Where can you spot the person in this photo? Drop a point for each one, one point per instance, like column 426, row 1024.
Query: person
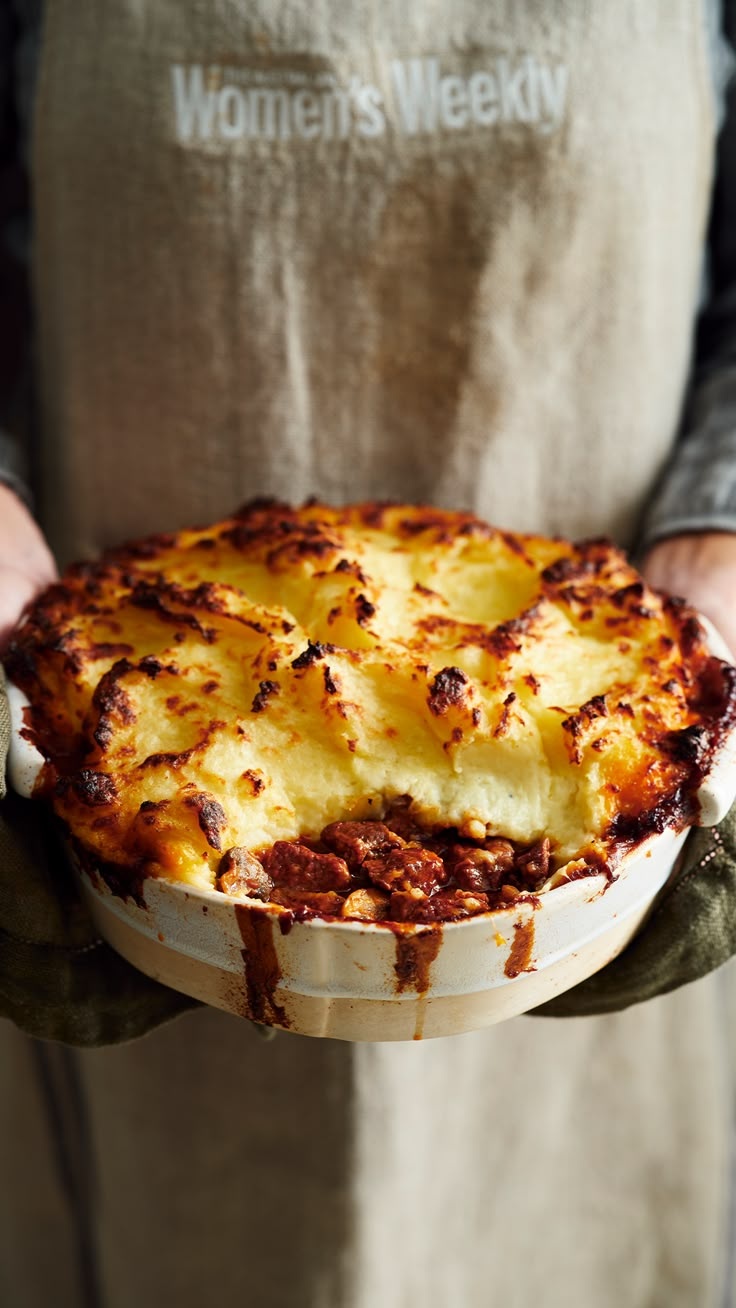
column 450, row 254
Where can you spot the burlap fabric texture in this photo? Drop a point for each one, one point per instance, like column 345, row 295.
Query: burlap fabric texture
column 59, row 981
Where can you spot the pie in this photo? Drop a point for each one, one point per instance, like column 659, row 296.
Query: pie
column 378, row 712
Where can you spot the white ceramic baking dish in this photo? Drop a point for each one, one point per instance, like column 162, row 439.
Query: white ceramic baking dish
column 366, row 981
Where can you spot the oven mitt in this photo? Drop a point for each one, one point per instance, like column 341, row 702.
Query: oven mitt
column 59, row 981
column 690, row 930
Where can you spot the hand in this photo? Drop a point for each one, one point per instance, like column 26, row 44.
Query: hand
column 26, row 563
column 701, row 567
column 58, row 980
column 692, row 928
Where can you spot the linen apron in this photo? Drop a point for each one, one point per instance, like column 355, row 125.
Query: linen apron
column 435, row 252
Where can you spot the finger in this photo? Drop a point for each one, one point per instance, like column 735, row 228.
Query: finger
column 17, row 589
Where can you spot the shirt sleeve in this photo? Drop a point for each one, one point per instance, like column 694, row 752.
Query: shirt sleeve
column 698, row 489
column 19, row 36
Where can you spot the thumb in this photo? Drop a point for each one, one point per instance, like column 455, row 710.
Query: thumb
column 26, row 563
column 16, row 590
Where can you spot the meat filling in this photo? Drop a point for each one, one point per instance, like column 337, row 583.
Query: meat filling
column 390, row 871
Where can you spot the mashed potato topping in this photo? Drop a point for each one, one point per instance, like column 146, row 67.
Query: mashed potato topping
column 257, row 680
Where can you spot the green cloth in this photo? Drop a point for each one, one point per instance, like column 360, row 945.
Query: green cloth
column 690, row 931
column 59, row 981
